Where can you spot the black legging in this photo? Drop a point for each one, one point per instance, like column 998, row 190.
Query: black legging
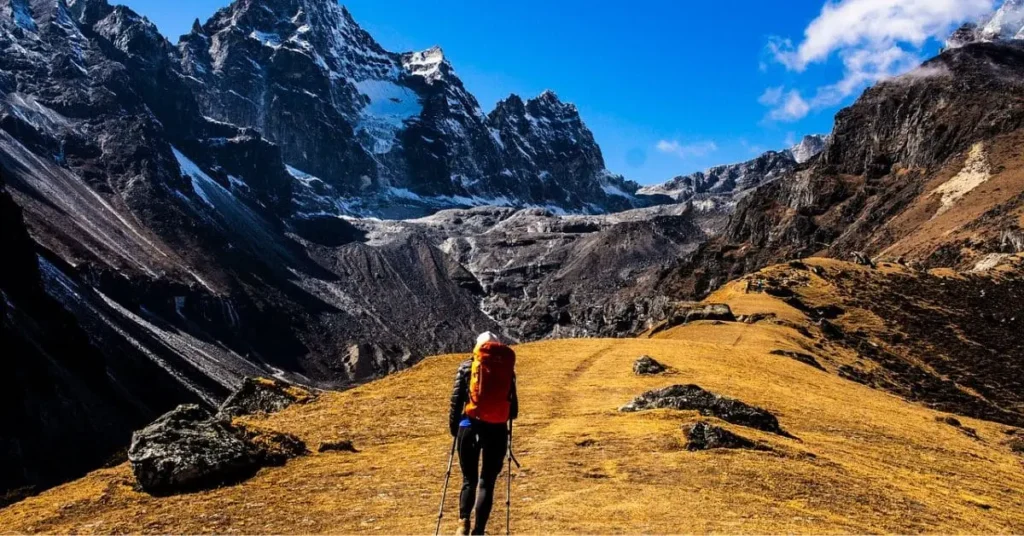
column 478, row 485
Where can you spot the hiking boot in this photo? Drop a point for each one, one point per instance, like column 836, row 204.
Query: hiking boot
column 463, row 529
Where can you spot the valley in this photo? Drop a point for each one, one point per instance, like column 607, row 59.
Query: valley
column 277, row 195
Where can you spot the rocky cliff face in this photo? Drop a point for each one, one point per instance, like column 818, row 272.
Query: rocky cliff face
column 62, row 388
column 905, row 154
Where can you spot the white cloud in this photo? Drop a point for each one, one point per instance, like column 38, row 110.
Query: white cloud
column 681, row 150
column 772, row 96
column 876, row 25
column 874, row 39
column 790, row 107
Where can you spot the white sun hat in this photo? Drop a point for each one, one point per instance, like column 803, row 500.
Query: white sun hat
column 486, row 337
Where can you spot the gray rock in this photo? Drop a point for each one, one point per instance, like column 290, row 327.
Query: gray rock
column 187, row 449
column 862, row 259
column 647, row 365
column 704, row 436
column 261, row 395
column 693, row 313
column 341, row 445
column 694, row 398
column 806, row 359
column 714, row 311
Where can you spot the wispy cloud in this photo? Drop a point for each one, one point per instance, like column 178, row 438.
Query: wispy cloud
column 785, row 106
column 686, row 150
column 874, row 39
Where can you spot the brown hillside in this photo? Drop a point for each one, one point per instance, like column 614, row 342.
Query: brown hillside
column 865, row 460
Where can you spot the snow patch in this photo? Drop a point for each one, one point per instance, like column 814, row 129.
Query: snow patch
column 390, row 106
column 200, row 180
column 267, row 39
column 614, row 191
column 426, row 64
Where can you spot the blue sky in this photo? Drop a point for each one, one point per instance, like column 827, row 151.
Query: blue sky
column 667, row 86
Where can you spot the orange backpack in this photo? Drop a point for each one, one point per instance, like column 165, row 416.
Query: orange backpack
column 490, row 383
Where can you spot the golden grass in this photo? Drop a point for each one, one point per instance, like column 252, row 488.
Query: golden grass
column 866, row 461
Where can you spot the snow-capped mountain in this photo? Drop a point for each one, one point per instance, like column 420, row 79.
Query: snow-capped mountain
column 721, row 183
column 809, row 147
column 1007, row 23
column 378, row 128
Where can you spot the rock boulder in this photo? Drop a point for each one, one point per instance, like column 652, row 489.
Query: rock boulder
column 704, row 436
column 647, row 365
column 262, row 395
column 188, row 449
column 694, row 398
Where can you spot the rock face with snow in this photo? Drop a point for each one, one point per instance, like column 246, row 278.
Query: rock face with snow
column 719, row 186
column 809, row 147
column 1005, row 24
column 725, row 181
column 381, row 129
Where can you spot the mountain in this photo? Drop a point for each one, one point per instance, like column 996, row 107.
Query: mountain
column 922, row 169
column 721, row 184
column 809, row 147
column 380, row 129
column 1006, row 23
column 182, row 249
column 888, row 465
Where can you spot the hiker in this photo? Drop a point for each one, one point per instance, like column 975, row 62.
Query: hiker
column 483, row 404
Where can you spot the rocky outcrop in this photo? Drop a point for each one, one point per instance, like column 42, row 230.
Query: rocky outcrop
column 262, row 395
column 341, row 445
column 922, row 118
column 806, row 359
column 685, row 314
column 694, row 398
column 189, row 449
column 705, row 436
column 647, row 366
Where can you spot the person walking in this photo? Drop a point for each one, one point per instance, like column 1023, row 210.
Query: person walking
column 483, row 404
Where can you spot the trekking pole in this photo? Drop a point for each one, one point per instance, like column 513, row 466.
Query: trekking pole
column 508, row 489
column 444, row 491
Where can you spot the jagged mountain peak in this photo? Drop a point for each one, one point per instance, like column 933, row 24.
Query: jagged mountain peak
column 548, row 101
column 810, row 146
column 1006, row 23
column 430, row 64
column 721, row 185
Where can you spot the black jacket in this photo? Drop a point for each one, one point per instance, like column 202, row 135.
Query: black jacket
column 460, row 396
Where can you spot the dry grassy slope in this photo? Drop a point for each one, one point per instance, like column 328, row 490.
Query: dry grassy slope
column 868, row 461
